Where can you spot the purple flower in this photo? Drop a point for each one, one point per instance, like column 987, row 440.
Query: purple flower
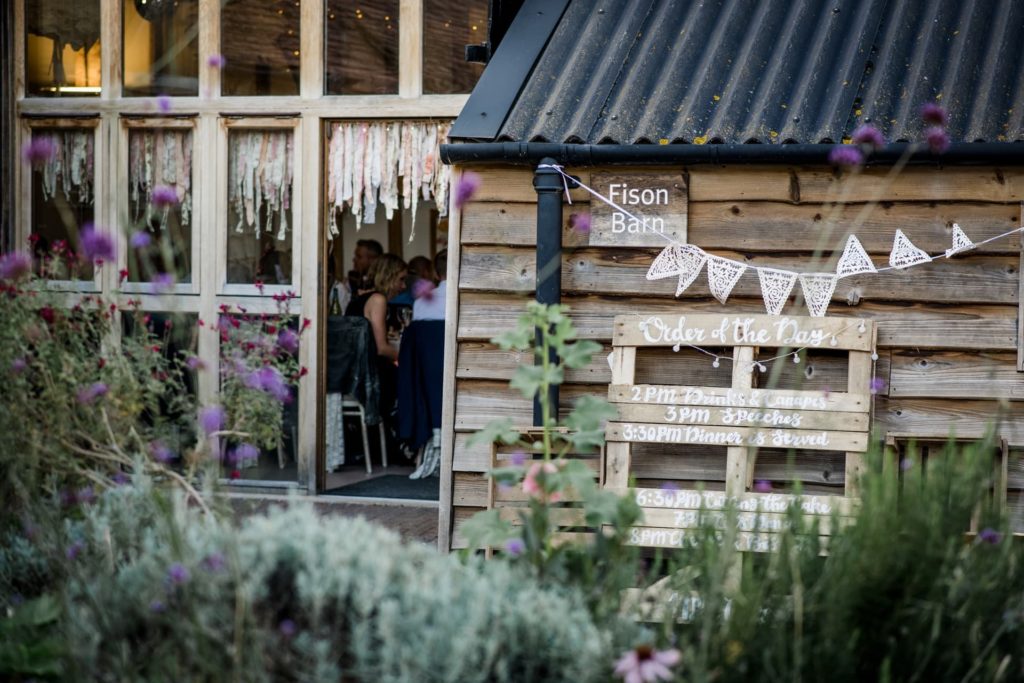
column 18, row 365
column 211, row 419
column 120, row 478
column 580, row 222
column 990, row 536
column 163, row 103
column 763, row 486
column 906, row 464
column 515, row 547
column 877, row 385
column 85, row 495
column 39, row 151
column 645, row 664
column 937, row 138
column 161, row 283
column 214, row 562
column 467, row 186
column 268, row 379
column 870, row 136
column 288, row 341
column 934, row 114
column 845, row 155
column 15, row 265
column 287, row 628
column 163, row 196
column 74, row 550
column 140, row 240
column 160, row 452
column 245, row 452
column 216, row 61
column 96, row 245
column 518, row 458
column 157, row 606
column 177, row 574
column 88, row 394
column 423, row 289
column 195, row 363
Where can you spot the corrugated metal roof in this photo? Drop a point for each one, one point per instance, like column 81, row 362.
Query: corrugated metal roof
column 772, row 71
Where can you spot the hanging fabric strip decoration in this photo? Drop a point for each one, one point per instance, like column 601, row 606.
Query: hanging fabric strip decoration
column 260, row 168
column 854, row 259
column 723, row 274
column 818, row 289
column 160, row 156
column 905, row 254
column 394, row 163
column 961, row 242
column 70, row 169
column 775, row 288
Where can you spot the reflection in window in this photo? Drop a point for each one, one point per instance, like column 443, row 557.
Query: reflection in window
column 259, row 207
column 448, row 26
column 261, row 47
column 62, row 47
column 362, row 47
column 161, row 47
column 160, row 203
column 62, row 200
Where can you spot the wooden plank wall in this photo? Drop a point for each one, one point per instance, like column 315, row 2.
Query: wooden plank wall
column 947, row 335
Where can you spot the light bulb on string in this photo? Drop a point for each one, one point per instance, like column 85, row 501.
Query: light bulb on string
column 874, row 355
column 834, row 342
column 715, row 363
column 796, row 357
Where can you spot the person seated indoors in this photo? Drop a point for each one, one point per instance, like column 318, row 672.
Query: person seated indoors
column 429, row 303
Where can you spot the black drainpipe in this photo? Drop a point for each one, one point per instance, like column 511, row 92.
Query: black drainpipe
column 549, row 186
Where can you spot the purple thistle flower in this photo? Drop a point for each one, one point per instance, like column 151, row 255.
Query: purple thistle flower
column 467, row 186
column 163, row 103
column 518, row 458
column 211, row 419
column 97, row 245
column 990, row 536
column 906, row 464
column 214, row 562
column 74, row 550
column 870, row 136
column 39, row 150
column 580, row 222
column 515, row 547
column 140, row 239
column 157, row 606
column 245, row 452
column 88, row 394
column 15, row 265
column 287, row 628
column 845, row 155
column 423, row 289
column 85, row 495
column 18, row 365
column 195, row 363
column 268, row 379
column 669, row 486
column 934, row 114
column 216, row 61
column 937, row 138
column 120, row 478
column 763, row 486
column 163, row 196
column 160, row 452
column 288, row 341
column 877, row 385
column 161, row 283
column 67, row 498
column 177, row 574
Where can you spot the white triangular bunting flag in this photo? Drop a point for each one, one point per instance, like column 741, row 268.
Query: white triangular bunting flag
column 665, row 264
column 961, row 242
column 775, row 288
column 818, row 289
column 854, row 259
column 905, row 254
column 689, row 262
column 723, row 274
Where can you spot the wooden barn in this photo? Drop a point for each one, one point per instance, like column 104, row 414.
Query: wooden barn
column 713, row 123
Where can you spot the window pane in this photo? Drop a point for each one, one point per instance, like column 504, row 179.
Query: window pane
column 160, row 203
column 259, row 207
column 362, row 47
column 448, row 27
column 62, row 47
column 161, row 47
column 260, row 47
column 62, row 200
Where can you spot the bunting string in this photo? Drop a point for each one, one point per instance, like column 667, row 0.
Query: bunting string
column 686, row 261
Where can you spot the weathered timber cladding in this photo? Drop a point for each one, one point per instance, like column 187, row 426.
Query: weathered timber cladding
column 947, row 331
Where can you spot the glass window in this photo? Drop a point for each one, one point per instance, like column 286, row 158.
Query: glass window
column 362, row 47
column 62, row 200
column 260, row 45
column 161, row 47
column 259, row 207
column 160, row 203
column 62, row 47
column 448, row 27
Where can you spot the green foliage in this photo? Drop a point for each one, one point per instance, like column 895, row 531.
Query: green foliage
column 28, row 646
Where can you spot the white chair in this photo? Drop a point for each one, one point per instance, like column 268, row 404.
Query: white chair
column 350, row 407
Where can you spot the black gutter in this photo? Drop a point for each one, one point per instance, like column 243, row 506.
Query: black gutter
column 968, row 153
column 549, row 186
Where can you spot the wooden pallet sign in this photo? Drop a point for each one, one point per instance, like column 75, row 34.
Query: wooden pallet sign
column 742, row 418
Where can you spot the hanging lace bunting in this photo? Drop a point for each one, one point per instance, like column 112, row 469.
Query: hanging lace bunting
column 723, row 275
column 674, row 259
column 961, row 242
column 854, row 259
column 775, row 288
column 905, row 254
column 818, row 289
column 689, row 261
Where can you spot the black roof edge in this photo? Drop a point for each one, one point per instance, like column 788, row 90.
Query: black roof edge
column 966, row 153
column 508, row 70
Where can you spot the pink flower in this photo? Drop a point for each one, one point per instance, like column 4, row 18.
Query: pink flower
column 580, row 222
column 39, row 151
column 140, row 240
column 216, row 61
column 937, row 138
column 96, row 245
column 423, row 289
column 15, row 265
column 163, row 103
column 535, row 488
column 934, row 114
column 644, row 663
column 869, row 135
column 163, row 196
column 845, row 155
column 467, row 186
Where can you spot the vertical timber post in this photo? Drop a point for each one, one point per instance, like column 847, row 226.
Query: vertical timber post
column 549, row 186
